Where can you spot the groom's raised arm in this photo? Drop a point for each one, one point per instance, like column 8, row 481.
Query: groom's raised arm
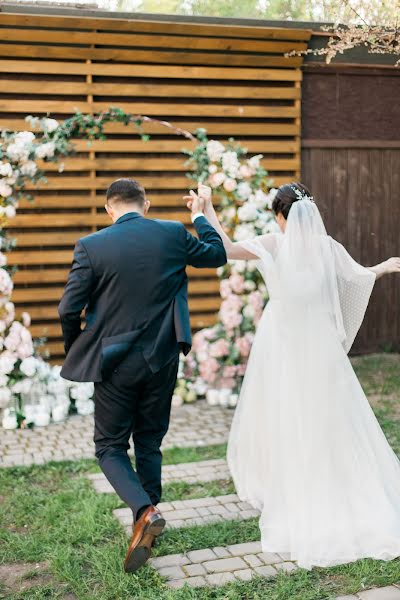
column 76, row 295
column 208, row 250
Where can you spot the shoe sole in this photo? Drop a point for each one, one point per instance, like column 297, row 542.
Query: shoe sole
column 142, row 552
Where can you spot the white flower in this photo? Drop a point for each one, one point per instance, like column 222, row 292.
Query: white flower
column 177, row 400
column 3, row 259
column 249, row 285
column 212, row 168
column 50, row 124
column 85, row 408
column 5, row 189
column 239, row 266
column 3, row 381
column 5, row 396
column 230, row 163
column 215, row 150
column 251, row 265
column 28, row 366
column 243, row 232
column 260, row 199
column 6, row 169
column 22, row 387
column 270, row 197
column 9, row 422
column 216, row 179
column 45, row 150
column 6, row 284
column 244, row 190
column 24, row 138
column 230, row 184
column 249, row 311
column 29, row 168
column 17, row 152
column 254, row 161
column 10, row 211
column 247, row 212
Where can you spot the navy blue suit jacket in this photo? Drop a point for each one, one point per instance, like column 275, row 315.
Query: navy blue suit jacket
column 130, row 278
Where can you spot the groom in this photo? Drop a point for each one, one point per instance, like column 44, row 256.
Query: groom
column 130, row 277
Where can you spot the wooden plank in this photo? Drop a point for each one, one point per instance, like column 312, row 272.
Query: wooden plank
column 83, row 219
column 150, row 164
column 161, row 89
column 47, row 294
column 23, row 276
column 150, row 71
column 153, row 27
column 177, row 145
column 159, row 109
column 82, row 38
column 101, row 183
column 87, row 201
column 144, row 56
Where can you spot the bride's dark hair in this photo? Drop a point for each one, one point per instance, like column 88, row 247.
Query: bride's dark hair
column 286, row 196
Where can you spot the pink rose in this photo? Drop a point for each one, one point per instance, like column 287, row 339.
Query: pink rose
column 243, row 345
column 230, row 371
column 219, row 348
column 216, row 179
column 246, row 171
column 230, row 184
column 208, row 370
column 225, row 288
column 236, row 282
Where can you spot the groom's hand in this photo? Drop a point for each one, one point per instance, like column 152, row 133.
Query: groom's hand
column 194, row 202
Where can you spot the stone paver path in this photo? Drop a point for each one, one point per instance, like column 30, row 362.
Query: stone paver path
column 191, row 425
column 391, row 592
column 220, row 565
column 199, row 511
column 194, row 472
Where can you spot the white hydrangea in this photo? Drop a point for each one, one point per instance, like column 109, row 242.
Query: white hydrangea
column 45, row 150
column 244, row 190
column 260, row 199
column 23, row 386
column 29, row 168
column 28, row 366
column 5, row 396
column 230, row 163
column 247, row 212
column 5, row 189
column 270, row 197
column 6, row 169
column 244, row 231
column 50, row 124
column 254, row 161
column 7, row 362
column 215, row 150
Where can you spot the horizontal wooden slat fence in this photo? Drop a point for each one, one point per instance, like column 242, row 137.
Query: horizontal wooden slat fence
column 232, row 80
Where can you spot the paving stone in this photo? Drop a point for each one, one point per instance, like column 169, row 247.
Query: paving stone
column 225, row 564
column 266, row 571
column 221, row 552
column 170, row 560
column 220, row 578
column 172, row 572
column 195, row 424
column 244, row 574
column 247, row 548
column 287, row 567
column 350, row 597
column 196, row 569
column 385, row 593
column 253, row 560
column 269, row 558
column 199, row 556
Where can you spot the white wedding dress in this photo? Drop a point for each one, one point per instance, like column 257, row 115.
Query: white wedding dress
column 305, row 447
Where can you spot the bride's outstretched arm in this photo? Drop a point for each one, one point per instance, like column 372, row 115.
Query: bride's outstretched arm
column 234, row 250
column 391, row 265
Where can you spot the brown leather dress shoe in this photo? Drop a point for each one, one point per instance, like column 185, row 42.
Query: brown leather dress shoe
column 149, row 526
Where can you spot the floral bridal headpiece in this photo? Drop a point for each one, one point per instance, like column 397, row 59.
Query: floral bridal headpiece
column 301, row 195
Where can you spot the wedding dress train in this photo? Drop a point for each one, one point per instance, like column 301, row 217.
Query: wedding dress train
column 305, row 447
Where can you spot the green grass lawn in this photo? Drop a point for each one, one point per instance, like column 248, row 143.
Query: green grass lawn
column 51, row 515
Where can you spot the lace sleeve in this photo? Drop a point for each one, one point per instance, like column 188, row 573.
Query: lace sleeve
column 354, row 284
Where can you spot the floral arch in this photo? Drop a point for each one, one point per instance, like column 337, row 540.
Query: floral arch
column 31, row 390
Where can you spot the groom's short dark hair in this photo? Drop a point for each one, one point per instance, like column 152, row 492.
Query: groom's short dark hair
column 126, row 191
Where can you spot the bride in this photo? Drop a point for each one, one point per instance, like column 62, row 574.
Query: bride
column 305, row 447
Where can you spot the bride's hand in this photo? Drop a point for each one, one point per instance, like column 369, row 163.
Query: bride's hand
column 205, row 192
column 392, row 265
